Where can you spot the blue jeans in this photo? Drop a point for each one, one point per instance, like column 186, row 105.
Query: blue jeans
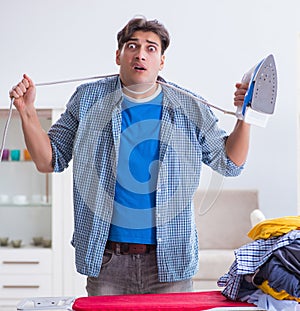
column 132, row 274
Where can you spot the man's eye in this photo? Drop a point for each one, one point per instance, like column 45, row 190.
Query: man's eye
column 131, row 45
column 152, row 48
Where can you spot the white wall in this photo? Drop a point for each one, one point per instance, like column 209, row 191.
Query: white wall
column 212, row 44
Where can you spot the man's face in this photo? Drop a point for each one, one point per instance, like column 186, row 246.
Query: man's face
column 140, row 59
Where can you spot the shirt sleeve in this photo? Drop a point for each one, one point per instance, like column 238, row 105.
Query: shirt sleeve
column 210, row 136
column 62, row 135
column 213, row 140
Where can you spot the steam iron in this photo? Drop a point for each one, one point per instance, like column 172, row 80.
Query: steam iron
column 259, row 101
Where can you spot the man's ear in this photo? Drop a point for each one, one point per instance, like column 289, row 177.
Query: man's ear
column 118, row 57
column 162, row 62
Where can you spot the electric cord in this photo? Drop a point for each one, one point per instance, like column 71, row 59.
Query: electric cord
column 197, row 98
column 6, row 128
column 160, row 82
column 101, row 77
column 38, row 85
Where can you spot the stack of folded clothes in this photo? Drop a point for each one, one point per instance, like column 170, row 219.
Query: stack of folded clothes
column 266, row 271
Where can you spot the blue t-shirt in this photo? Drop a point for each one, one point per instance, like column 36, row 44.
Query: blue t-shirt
column 133, row 218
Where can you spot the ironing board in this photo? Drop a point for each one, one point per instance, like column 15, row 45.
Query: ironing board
column 194, row 301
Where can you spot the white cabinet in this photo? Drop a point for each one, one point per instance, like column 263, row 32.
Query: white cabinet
column 31, row 206
column 24, row 273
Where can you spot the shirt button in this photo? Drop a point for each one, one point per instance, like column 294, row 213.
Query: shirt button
column 159, row 240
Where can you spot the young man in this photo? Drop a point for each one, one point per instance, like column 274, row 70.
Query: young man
column 137, row 147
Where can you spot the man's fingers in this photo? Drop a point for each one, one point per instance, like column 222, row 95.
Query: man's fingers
column 26, row 83
column 13, row 94
column 21, row 88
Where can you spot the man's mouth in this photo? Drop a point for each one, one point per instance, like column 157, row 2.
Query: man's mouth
column 138, row 67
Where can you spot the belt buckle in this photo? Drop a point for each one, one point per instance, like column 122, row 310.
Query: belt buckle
column 124, row 248
column 128, row 248
column 137, row 249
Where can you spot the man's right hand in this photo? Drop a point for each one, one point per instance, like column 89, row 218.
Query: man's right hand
column 24, row 94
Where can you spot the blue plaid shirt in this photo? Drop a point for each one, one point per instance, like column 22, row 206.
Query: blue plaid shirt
column 89, row 131
column 249, row 258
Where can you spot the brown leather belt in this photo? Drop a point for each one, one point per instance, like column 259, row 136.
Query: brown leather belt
column 129, row 248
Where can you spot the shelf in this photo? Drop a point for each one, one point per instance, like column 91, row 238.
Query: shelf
column 19, row 161
column 22, row 247
column 42, row 113
column 29, row 210
column 28, row 205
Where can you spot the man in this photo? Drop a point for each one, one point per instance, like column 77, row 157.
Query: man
column 137, row 147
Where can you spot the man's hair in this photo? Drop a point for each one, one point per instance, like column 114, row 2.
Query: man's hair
column 142, row 24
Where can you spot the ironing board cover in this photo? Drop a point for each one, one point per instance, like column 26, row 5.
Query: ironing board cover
column 171, row 301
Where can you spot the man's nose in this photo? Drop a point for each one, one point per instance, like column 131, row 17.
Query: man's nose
column 140, row 55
